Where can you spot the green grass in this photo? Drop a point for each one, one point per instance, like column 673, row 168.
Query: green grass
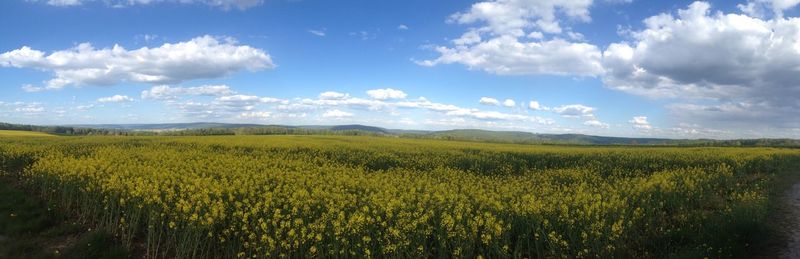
column 29, row 229
column 21, row 133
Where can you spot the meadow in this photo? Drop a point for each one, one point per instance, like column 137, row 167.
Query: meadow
column 360, row 196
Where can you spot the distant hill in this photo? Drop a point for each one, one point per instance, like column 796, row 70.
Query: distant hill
column 360, row 128
column 527, row 137
column 215, row 125
column 214, row 128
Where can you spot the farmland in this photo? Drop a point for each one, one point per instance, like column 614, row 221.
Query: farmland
column 20, row 133
column 348, row 196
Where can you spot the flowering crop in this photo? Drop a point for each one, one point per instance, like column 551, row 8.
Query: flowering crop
column 336, row 196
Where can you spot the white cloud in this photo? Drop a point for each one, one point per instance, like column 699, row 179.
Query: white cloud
column 509, row 103
column 534, row 105
column 387, row 93
column 198, row 58
column 115, row 99
column 331, row 95
column 365, row 35
column 317, row 32
column 501, row 41
column 535, row 35
column 489, row 101
column 493, row 115
column 511, row 17
column 344, row 101
column 240, row 98
column 388, row 105
column 255, row 115
column 84, row 107
column 28, row 108
column 756, row 8
column 64, row 2
column 596, row 123
column 640, row 122
column 32, row 89
column 423, row 103
column 574, row 110
column 695, row 130
column 224, row 4
column 402, row 27
column 507, row 55
column 336, row 114
column 742, row 68
column 164, row 92
column 223, row 107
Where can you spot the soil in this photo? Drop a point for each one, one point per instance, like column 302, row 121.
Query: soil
column 792, row 249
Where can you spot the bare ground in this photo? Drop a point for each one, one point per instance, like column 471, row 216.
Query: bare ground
column 792, row 249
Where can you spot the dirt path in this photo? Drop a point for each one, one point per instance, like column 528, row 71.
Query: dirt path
column 793, row 247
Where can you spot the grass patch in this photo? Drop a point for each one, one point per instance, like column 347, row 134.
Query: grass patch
column 29, row 229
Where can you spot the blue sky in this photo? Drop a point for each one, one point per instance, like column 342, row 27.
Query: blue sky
column 681, row 69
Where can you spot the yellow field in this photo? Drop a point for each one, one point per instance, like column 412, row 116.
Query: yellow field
column 20, row 133
column 339, row 196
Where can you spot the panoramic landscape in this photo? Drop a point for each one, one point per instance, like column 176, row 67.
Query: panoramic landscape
column 399, row 129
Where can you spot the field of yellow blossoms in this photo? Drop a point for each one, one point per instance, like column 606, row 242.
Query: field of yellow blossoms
column 339, row 196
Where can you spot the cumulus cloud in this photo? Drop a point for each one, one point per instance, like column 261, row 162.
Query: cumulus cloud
column 224, row 4
column 640, row 122
column 165, row 92
column 508, row 39
column 387, row 93
column 402, row 27
column 747, row 65
column 336, row 114
column 489, row 101
column 198, row 58
column 506, row 55
column 115, row 99
column 509, row 103
column 511, row 17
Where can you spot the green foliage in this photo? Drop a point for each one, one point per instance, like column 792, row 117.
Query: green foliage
column 338, row 196
column 30, row 229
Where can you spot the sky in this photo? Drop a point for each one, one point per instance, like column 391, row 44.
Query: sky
column 675, row 69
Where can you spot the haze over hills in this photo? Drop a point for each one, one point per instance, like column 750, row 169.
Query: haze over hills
column 196, row 128
column 164, row 126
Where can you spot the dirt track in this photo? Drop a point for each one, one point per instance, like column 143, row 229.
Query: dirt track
column 793, row 247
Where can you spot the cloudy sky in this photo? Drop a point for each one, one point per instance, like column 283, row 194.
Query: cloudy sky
column 681, row 69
